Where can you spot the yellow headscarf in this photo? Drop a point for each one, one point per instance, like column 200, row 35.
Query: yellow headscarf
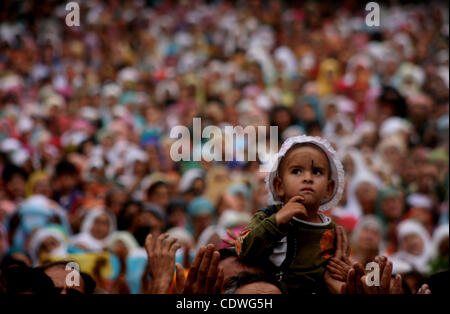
column 324, row 85
column 33, row 179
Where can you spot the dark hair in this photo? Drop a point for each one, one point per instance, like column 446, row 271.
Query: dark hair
column 84, row 142
column 111, row 192
column 280, row 108
column 89, row 283
column 122, row 222
column 298, row 145
column 10, row 170
column 20, row 279
column 227, row 252
column 391, row 97
column 438, row 282
column 10, row 261
column 246, row 278
column 154, row 186
column 311, row 125
column 176, row 203
column 65, row 167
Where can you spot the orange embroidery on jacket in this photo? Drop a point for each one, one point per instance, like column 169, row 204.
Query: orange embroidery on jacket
column 327, row 244
column 239, row 241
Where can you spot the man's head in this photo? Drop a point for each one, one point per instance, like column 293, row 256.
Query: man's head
column 14, row 178
column 58, row 273
column 19, row 279
column 305, row 170
column 254, row 283
column 232, row 265
column 158, row 193
column 66, row 175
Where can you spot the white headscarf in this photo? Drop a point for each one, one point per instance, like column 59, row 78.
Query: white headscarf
column 418, row 262
column 337, row 170
column 353, row 206
column 439, row 234
column 372, row 222
column 189, row 177
column 127, row 239
column 40, row 236
column 85, row 237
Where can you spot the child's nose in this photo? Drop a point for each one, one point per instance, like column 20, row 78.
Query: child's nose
column 307, row 176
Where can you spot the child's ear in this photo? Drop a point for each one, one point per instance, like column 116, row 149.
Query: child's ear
column 330, row 188
column 278, row 186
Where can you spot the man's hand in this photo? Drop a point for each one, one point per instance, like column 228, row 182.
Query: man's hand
column 161, row 261
column 424, row 289
column 339, row 265
column 334, row 286
column 342, row 245
column 353, row 284
column 293, row 208
column 205, row 276
column 387, row 285
column 338, row 269
column 233, row 236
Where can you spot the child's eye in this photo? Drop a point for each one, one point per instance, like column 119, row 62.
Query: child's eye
column 296, row 171
column 317, row 172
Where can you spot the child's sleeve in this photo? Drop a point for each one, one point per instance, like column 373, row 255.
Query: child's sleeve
column 259, row 237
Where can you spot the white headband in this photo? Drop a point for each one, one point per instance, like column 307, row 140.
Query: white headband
column 337, row 170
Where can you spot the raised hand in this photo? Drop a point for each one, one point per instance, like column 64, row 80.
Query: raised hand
column 354, row 285
column 338, row 269
column 342, row 245
column 293, row 207
column 233, row 236
column 424, row 289
column 205, row 276
column 386, row 285
column 161, row 261
column 339, row 265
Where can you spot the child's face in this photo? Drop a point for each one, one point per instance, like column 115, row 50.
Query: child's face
column 304, row 171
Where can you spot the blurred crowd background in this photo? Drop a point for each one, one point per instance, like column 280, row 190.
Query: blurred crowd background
column 86, row 112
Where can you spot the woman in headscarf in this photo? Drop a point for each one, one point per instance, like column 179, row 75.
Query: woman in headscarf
column 123, row 245
column 50, row 240
column 440, row 251
column 35, row 212
column 97, row 225
column 308, row 111
column 362, row 193
column 329, row 74
column 391, row 151
column 367, row 240
column 39, row 183
column 414, row 248
column 192, row 183
column 201, row 213
column 390, row 207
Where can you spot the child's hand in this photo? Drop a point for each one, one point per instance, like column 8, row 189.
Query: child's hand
column 291, row 209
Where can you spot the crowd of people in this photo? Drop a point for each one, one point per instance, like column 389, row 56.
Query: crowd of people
column 86, row 114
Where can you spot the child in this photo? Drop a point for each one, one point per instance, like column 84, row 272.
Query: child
column 291, row 236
